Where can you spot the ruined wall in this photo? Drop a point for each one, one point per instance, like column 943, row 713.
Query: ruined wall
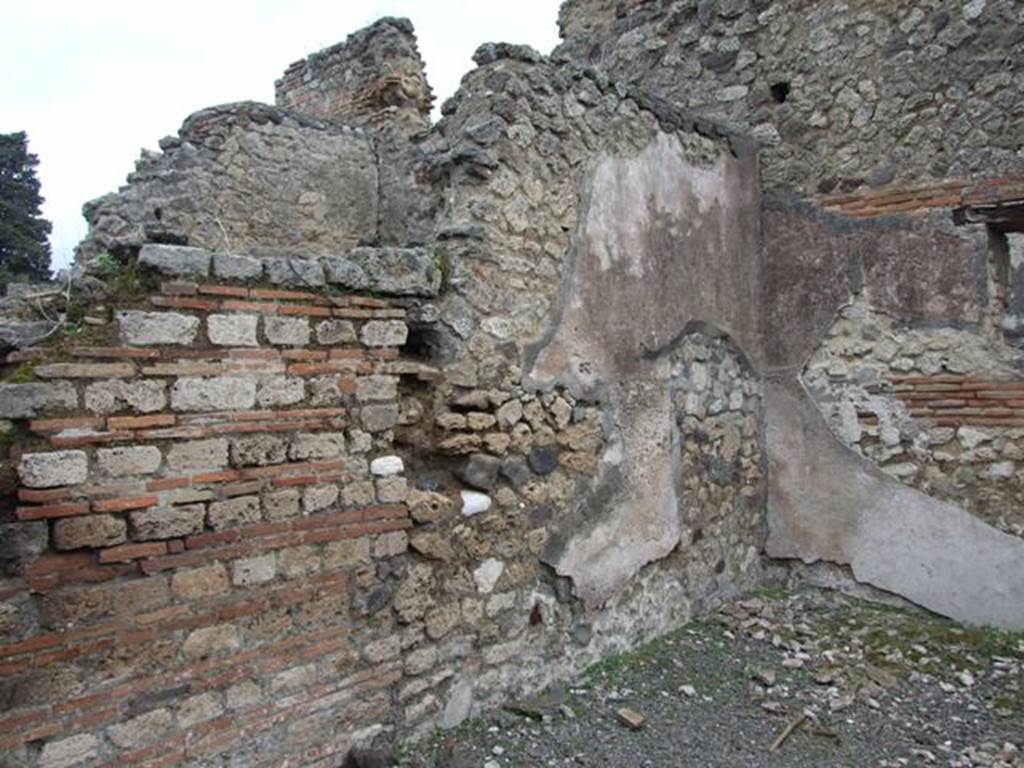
column 262, row 515
column 840, row 93
column 240, row 177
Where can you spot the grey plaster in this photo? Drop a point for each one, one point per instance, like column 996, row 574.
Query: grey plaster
column 827, row 503
column 665, row 239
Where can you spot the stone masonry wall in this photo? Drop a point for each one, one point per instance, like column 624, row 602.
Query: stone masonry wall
column 242, row 177
column 839, row 93
column 270, row 508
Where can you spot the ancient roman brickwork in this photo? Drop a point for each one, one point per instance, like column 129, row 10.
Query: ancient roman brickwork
column 840, row 94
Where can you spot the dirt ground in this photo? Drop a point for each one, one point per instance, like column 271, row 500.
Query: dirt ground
column 797, row 680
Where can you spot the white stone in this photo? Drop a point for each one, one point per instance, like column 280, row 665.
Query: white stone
column 68, row 752
column 49, row 470
column 129, row 460
column 387, row 465
column 232, row 330
column 287, row 331
column 384, row 333
column 487, row 575
column 145, row 328
column 218, row 393
column 473, row 503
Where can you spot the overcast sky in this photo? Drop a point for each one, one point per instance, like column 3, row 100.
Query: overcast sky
column 94, row 82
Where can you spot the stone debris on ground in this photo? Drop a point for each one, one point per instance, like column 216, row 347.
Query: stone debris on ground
column 878, row 686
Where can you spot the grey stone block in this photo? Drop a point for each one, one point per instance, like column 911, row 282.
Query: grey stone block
column 346, row 273
column 129, row 460
column 232, row 330
column 287, row 331
column 89, row 531
column 167, row 522
column 176, row 260
column 384, row 333
column 26, row 401
column 198, row 454
column 141, row 396
column 398, row 271
column 300, row 273
column 336, row 332
column 145, row 328
column 217, row 393
column 49, row 470
column 230, row 266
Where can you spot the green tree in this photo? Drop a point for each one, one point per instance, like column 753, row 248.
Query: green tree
column 24, row 248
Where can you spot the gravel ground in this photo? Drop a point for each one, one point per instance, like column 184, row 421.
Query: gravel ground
column 849, row 683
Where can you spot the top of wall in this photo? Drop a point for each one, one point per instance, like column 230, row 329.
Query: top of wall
column 376, row 73
column 842, row 94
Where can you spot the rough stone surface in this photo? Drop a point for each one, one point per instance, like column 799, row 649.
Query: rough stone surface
column 89, row 531
column 230, row 266
column 25, row 401
column 176, row 260
column 384, row 333
column 167, row 522
column 122, row 462
column 48, row 470
column 395, row 271
column 232, row 330
column 145, row 328
column 287, row 331
column 213, row 394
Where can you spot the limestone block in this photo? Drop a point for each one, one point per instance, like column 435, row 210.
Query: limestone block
column 250, row 571
column 198, row 454
column 231, row 266
column 217, row 393
column 167, row 522
column 281, row 505
column 287, row 331
column 377, row 418
column 313, row 446
column 317, row 497
column 197, row 709
column 301, row 273
column 391, row 544
column 258, row 450
column 197, row 583
column 296, row 562
column 359, row 494
column 176, row 260
column 146, row 328
column 277, row 391
column 26, row 401
column 126, row 461
column 142, row 730
column 336, row 332
column 89, row 531
column 141, row 396
column 209, row 641
column 384, row 333
column 237, row 511
column 49, row 470
column 232, row 330
column 69, row 752
column 85, row 371
column 376, row 388
column 392, row 490
column 396, row 271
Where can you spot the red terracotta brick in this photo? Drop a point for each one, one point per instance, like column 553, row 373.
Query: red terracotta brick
column 125, row 503
column 305, row 309
column 78, row 441
column 127, row 552
column 56, row 425
column 51, row 511
column 304, row 354
column 115, row 352
column 175, row 302
column 141, row 422
column 236, row 305
column 41, row 497
column 222, row 290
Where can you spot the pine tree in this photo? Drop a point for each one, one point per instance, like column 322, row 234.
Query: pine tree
column 24, row 248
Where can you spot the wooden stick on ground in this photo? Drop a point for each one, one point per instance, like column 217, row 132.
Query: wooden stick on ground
column 793, row 725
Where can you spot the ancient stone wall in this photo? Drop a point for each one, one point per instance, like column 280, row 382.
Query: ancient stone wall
column 242, row 177
column 351, row 432
column 839, row 93
column 261, row 513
